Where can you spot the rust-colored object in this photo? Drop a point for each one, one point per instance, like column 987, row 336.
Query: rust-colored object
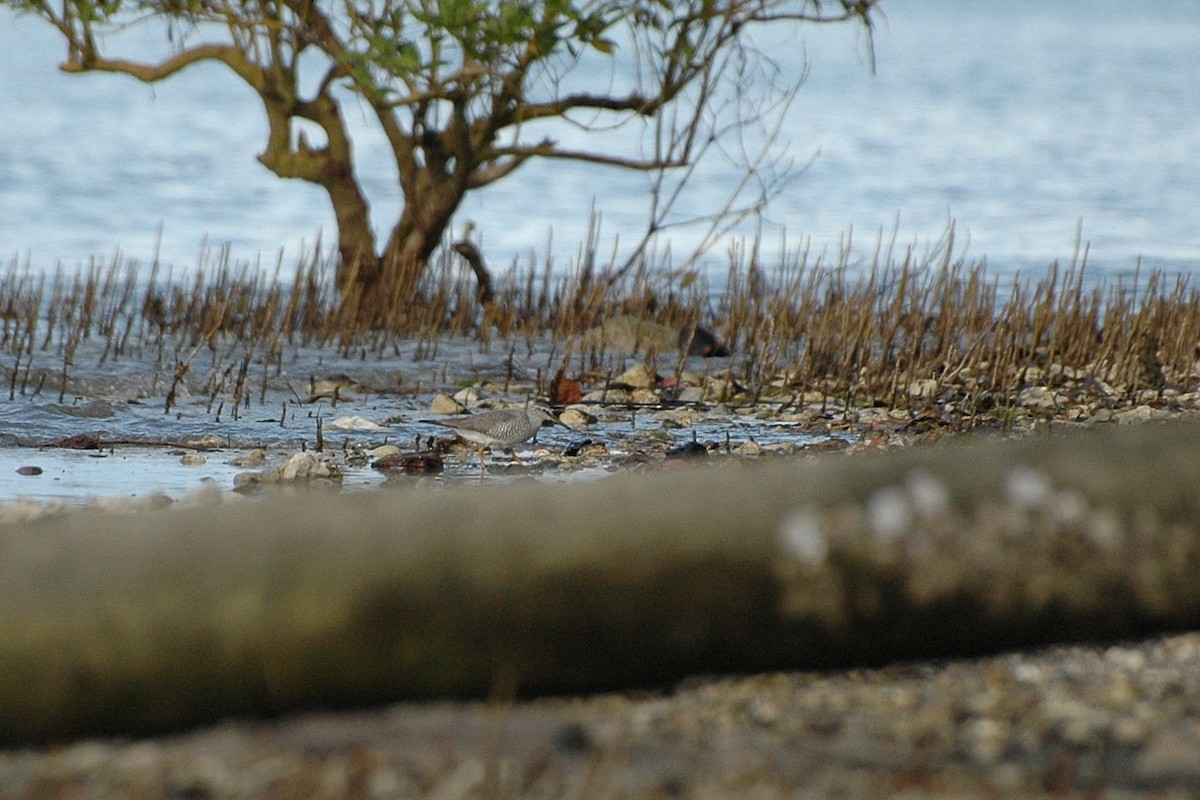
column 565, row 391
column 80, row 441
column 423, row 463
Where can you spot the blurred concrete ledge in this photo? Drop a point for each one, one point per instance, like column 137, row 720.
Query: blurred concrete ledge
column 137, row 623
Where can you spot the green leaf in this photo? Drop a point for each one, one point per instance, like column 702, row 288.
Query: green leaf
column 408, row 58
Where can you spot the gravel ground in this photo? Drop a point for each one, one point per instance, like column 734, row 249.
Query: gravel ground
column 1115, row 721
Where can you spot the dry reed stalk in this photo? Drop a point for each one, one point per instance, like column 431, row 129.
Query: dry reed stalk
column 862, row 336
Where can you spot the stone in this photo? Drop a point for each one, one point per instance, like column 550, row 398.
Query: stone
column 638, row 376
column 468, row 397
column 384, row 450
column 646, row 397
column 1038, row 397
column 607, row 396
column 749, row 449
column 444, row 404
column 1170, row 757
column 923, row 387
column 576, row 418
column 678, row 417
column 1141, row 414
column 353, row 422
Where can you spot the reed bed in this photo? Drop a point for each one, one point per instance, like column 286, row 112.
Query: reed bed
column 902, row 332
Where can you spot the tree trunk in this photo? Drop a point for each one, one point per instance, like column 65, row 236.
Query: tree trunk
column 357, row 261
column 387, row 284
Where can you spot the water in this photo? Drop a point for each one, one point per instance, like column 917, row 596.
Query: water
column 385, row 398
column 1016, row 119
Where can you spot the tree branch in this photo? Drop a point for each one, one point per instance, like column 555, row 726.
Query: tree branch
column 636, row 103
column 494, row 171
column 851, row 9
column 86, row 60
column 550, row 150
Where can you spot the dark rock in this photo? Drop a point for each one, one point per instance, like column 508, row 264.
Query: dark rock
column 701, row 342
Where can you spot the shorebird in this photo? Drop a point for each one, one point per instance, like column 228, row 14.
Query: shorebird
column 503, row 427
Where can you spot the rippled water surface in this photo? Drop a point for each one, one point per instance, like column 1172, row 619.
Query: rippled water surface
column 1017, row 118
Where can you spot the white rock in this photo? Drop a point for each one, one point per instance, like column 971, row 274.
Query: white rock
column 1141, row 414
column 353, row 422
column 678, row 417
column 1037, row 397
column 607, row 396
column 252, row 459
column 468, row 397
column 646, row 397
column 748, row 448
column 384, row 450
column 576, row 418
column 923, row 387
column 300, row 465
column 638, row 376
column 444, row 404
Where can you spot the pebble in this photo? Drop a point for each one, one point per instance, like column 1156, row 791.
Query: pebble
column 684, row 417
column 253, row 458
column 638, row 376
column 924, row 387
column 607, row 396
column 384, row 450
column 1037, row 397
column 300, row 467
column 645, row 397
column 468, row 397
column 444, row 404
column 1171, row 756
column 576, row 418
column 353, row 422
column 1141, row 414
column 748, row 449
column 961, row 728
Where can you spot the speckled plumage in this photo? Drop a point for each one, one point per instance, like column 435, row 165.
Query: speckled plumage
column 502, row 427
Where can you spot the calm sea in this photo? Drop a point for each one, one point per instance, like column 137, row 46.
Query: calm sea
column 1018, row 120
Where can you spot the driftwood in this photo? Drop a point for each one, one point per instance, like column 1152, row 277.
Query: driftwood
column 130, row 623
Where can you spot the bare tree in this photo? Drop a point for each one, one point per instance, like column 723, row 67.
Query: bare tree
column 461, row 89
